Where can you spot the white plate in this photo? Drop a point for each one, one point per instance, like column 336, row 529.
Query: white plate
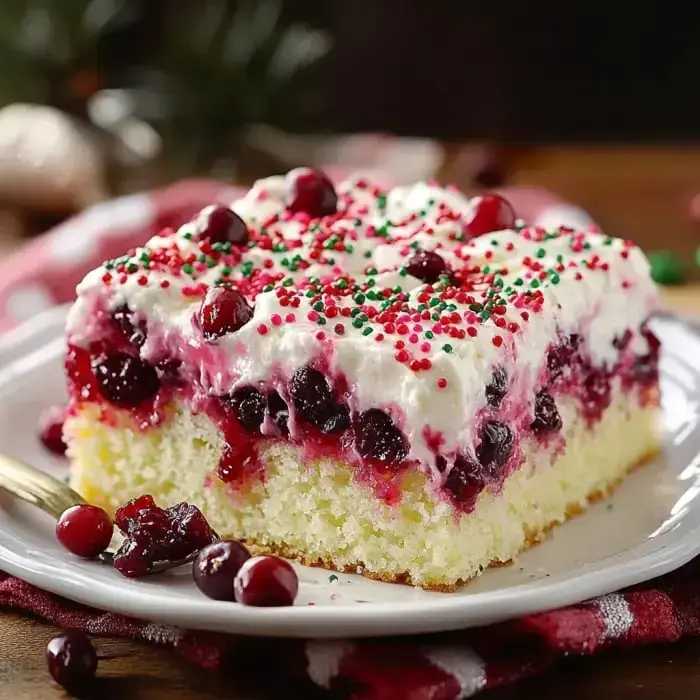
column 650, row 526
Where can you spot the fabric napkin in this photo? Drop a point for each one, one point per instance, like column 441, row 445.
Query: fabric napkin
column 431, row 667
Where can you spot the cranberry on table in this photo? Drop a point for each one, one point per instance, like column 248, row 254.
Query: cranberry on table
column 489, row 212
column 51, row 429
column 309, row 191
column 222, row 225
column 266, row 582
column 124, row 380
column 426, row 265
column 216, row 566
column 223, row 310
column 84, row 530
column 72, row 660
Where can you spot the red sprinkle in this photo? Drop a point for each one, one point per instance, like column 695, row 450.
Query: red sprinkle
column 442, row 383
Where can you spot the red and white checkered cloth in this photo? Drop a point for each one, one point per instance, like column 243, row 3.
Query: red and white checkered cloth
column 436, row 667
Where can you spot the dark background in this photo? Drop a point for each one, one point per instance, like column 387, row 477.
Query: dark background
column 619, row 71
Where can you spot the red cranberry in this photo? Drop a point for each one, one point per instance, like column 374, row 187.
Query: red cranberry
column 134, row 331
column 266, row 582
column 596, row 392
column 489, row 213
column 224, row 310
column 312, row 395
column 426, row 265
column 311, row 192
column 497, row 388
column 547, row 418
column 221, row 225
column 377, row 437
column 495, row 448
column 278, row 411
column 249, row 406
column 84, row 530
column 153, row 534
column 216, row 567
column 562, row 357
column 125, row 380
column 51, row 429
column 72, row 660
column 465, row 481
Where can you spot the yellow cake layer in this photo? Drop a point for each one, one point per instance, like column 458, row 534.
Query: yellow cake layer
column 319, row 513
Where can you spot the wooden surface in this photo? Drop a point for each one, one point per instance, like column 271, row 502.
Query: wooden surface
column 640, row 194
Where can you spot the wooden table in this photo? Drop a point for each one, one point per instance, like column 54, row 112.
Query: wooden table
column 642, row 194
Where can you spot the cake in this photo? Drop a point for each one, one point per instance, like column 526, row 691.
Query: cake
column 408, row 383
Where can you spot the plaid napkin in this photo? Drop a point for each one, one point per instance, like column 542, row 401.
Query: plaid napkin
column 435, row 667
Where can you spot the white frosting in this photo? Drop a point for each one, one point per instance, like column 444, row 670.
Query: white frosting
column 596, row 303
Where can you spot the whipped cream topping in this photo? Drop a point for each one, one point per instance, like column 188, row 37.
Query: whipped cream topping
column 336, row 289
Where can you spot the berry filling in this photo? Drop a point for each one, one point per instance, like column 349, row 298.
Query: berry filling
column 124, row 380
column 154, row 534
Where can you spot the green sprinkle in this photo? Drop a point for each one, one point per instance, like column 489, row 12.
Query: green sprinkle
column 288, row 282
column 268, row 288
column 429, row 335
column 354, row 311
column 332, row 578
column 554, row 278
column 321, row 321
column 368, row 253
column 367, row 331
column 247, row 268
column 358, row 322
column 447, row 348
column 486, row 269
column 187, row 236
column 435, row 316
column 541, row 252
column 341, row 283
column 145, row 257
column 318, row 306
column 518, row 282
column 534, row 284
column 666, row 267
column 108, row 265
column 187, row 269
column 226, row 271
column 359, row 298
column 434, row 302
column 349, row 248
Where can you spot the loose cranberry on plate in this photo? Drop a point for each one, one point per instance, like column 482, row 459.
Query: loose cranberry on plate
column 266, row 582
column 216, row 567
column 72, row 660
column 489, row 212
column 84, row 530
column 223, row 310
column 309, row 191
column 222, row 225
column 51, row 429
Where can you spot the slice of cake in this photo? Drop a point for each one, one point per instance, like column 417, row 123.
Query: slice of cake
column 406, row 383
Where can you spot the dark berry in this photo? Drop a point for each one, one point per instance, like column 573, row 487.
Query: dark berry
column 465, row 481
column 51, row 429
column 134, row 331
column 216, row 566
column 278, row 411
column 221, row 225
column 337, row 420
column 547, row 418
column 377, row 437
column 124, row 380
column 72, row 660
column 249, row 406
column 153, row 534
column 266, row 582
column 223, row 310
column 311, row 394
column 426, row 266
column 489, row 213
column 84, row 530
column 562, row 357
column 495, row 448
column 596, row 392
column 497, row 388
column 311, row 192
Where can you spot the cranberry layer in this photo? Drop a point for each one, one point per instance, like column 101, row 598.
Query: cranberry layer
column 311, row 409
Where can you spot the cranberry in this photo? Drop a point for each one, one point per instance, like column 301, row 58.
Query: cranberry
column 465, row 481
column 153, row 534
column 497, row 388
column 221, row 225
column 124, row 380
column 84, row 530
column 563, row 356
column 596, row 392
column 278, row 411
column 134, row 331
column 426, row 266
column 249, row 406
column 377, row 437
column 216, row 567
column 223, row 310
column 51, row 429
column 266, row 582
column 311, row 192
column 495, row 448
column 489, row 213
column 547, row 418
column 72, row 660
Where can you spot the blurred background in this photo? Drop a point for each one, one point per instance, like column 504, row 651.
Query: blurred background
column 104, row 97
